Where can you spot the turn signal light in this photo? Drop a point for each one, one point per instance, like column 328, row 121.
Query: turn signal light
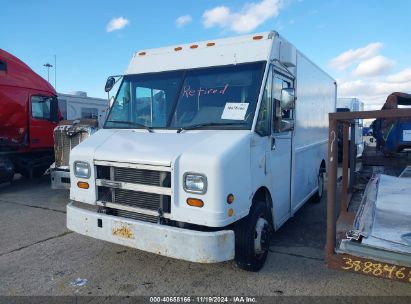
column 195, row 202
column 230, row 199
column 83, row 185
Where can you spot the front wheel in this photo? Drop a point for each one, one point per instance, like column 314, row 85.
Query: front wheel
column 252, row 238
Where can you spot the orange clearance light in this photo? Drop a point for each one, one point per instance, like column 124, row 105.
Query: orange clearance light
column 83, row 185
column 195, row 202
column 142, row 53
column 194, row 46
column 230, row 198
column 257, row 37
column 211, row 44
column 230, row 212
column 178, row 49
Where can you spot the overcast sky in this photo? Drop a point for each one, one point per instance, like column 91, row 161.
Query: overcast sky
column 365, row 45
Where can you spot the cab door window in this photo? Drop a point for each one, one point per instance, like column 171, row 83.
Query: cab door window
column 282, row 118
column 44, row 107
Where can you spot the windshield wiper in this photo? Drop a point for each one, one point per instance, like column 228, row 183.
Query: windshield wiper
column 136, row 124
column 209, row 124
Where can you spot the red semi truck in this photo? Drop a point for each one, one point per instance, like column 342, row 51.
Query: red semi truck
column 28, row 114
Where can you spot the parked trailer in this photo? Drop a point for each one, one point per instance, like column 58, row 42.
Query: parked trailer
column 28, row 115
column 78, row 105
column 208, row 148
column 352, row 105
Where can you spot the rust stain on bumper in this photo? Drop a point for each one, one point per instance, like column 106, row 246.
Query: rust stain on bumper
column 123, row 232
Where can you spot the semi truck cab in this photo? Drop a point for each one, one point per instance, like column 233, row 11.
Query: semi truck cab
column 199, row 158
column 28, row 114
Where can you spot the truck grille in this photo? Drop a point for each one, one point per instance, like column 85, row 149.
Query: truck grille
column 117, row 185
column 132, row 215
column 138, row 176
column 63, row 143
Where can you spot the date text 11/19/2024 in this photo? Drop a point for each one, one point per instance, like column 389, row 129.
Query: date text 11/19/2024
column 203, row 299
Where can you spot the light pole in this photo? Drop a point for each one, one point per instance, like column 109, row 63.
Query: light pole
column 48, row 66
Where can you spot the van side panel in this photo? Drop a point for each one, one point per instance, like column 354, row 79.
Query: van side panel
column 316, row 97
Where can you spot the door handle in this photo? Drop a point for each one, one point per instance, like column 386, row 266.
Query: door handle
column 272, row 143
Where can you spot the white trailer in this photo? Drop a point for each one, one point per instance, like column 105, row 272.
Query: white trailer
column 78, row 105
column 207, row 149
column 353, row 105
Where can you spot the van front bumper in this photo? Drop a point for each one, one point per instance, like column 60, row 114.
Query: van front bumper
column 178, row 243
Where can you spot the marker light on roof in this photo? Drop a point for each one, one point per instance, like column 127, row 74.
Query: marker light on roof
column 178, row 49
column 257, row 37
column 211, row 44
column 142, row 53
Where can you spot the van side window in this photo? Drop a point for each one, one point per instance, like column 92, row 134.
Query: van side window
column 263, row 126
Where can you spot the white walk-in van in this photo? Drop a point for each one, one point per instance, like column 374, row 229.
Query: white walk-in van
column 207, row 149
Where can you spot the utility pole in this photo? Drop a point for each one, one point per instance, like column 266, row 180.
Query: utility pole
column 55, row 72
column 48, row 66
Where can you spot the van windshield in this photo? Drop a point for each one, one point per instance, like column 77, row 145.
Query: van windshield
column 222, row 97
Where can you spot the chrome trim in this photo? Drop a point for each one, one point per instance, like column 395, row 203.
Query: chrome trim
column 134, row 187
column 193, row 191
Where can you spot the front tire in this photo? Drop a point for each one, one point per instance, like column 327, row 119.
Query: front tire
column 252, row 238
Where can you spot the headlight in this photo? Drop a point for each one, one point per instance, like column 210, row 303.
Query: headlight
column 195, row 183
column 82, row 169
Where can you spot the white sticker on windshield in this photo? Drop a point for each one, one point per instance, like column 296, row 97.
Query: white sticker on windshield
column 235, row 110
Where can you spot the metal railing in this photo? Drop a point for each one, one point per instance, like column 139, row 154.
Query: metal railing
column 346, row 118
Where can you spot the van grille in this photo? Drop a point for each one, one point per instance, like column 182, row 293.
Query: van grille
column 132, row 215
column 142, row 200
column 135, row 176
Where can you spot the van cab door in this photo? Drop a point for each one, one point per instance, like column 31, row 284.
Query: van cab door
column 280, row 153
column 42, row 121
column 275, row 141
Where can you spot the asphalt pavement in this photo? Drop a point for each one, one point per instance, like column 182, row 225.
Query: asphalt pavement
column 40, row 257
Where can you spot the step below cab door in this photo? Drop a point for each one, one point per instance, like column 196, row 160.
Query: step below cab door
column 42, row 121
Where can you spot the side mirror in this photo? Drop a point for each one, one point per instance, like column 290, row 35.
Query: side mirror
column 287, row 99
column 111, row 81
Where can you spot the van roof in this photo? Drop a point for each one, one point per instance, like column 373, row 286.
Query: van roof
column 213, row 52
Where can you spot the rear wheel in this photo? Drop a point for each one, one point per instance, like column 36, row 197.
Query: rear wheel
column 320, row 191
column 252, row 238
